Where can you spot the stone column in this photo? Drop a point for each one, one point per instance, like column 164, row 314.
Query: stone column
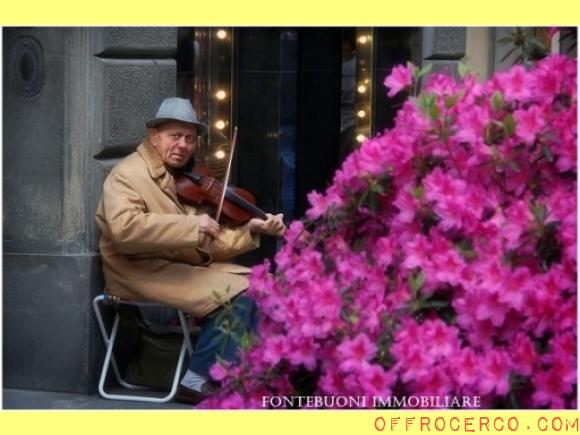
column 75, row 100
column 443, row 47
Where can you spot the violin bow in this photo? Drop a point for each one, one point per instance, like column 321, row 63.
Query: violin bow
column 227, row 177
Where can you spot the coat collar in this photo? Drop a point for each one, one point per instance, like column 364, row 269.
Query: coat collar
column 154, row 163
column 157, row 170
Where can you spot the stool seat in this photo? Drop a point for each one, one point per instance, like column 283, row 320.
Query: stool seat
column 109, row 340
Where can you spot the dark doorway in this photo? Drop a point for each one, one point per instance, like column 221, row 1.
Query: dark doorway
column 295, row 97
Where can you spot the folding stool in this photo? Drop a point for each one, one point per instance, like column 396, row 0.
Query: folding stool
column 109, row 341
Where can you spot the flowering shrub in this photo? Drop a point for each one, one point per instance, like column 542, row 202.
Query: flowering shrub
column 442, row 259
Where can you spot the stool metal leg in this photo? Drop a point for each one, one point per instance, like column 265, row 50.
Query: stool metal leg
column 109, row 341
column 106, row 340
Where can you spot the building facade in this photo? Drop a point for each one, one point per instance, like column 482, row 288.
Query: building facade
column 75, row 101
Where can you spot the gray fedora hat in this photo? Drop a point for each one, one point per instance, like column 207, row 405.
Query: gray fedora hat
column 177, row 109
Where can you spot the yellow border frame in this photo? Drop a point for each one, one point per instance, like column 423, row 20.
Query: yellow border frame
column 295, row 12
column 271, row 13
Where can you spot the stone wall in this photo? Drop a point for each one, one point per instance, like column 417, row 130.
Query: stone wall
column 443, row 47
column 75, row 100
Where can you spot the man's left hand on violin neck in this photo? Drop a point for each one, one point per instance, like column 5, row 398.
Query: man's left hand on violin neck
column 273, row 225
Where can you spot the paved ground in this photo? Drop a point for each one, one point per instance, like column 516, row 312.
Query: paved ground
column 28, row 399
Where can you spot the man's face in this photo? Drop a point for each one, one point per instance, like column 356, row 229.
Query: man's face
column 175, row 142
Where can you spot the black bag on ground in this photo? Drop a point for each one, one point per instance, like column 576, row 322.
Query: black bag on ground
column 150, row 358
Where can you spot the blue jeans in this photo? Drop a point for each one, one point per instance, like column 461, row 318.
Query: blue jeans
column 213, row 342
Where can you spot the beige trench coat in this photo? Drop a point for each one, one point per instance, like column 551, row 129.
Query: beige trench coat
column 149, row 241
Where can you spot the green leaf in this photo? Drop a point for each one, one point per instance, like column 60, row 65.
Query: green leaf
column 416, row 281
column 436, row 304
column 505, row 40
column 434, row 111
column 418, row 192
column 539, row 211
column 363, row 198
column 415, row 70
column 497, row 101
column 425, row 70
column 377, row 188
column 452, row 100
column 509, row 125
column 353, row 318
column 463, row 69
column 373, row 202
column 547, row 153
column 508, row 54
column 466, row 249
column 245, row 341
column 425, row 101
column 515, row 167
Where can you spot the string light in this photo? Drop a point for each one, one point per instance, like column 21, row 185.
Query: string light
column 220, row 154
column 361, row 89
column 221, row 34
column 360, row 138
column 221, row 94
column 363, row 39
column 220, row 125
column 361, row 113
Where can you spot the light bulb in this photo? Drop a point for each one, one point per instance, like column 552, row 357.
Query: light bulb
column 361, row 113
column 220, row 125
column 360, row 138
column 220, row 95
column 363, row 39
column 220, row 154
column 361, row 89
column 221, row 34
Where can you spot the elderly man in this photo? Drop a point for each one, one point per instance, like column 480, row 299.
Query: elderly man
column 151, row 242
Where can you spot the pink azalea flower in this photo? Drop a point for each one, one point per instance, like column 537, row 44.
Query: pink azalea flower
column 339, row 292
column 515, row 287
column 417, row 252
column 218, row 372
column 355, row 352
column 319, row 204
column 465, row 365
column 515, row 84
column 376, row 381
column 449, row 267
column 370, row 158
column 442, row 340
column 494, row 373
column 523, row 354
column 441, row 84
column 546, row 82
column 491, row 308
column 384, row 250
column 333, row 382
column 274, row 349
column 415, row 363
column 303, row 351
column 400, row 78
column 551, row 387
column 407, row 205
column 529, row 123
column 436, row 382
column 471, row 123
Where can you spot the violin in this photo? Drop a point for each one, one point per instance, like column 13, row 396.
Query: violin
column 199, row 187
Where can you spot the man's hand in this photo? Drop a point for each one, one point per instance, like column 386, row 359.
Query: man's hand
column 273, row 225
column 208, row 225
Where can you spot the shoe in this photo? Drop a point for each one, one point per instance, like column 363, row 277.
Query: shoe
column 192, row 397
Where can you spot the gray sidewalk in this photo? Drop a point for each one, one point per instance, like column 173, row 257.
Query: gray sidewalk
column 30, row 399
